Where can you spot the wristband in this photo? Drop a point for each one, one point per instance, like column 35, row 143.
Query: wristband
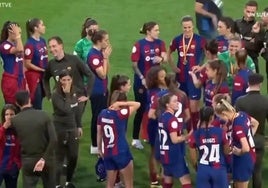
column 42, row 159
column 141, row 77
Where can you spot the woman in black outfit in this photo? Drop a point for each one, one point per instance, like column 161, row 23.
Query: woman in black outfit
column 65, row 106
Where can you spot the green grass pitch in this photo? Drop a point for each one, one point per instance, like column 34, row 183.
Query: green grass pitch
column 122, row 19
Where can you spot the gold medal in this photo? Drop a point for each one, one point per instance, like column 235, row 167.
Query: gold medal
column 186, row 49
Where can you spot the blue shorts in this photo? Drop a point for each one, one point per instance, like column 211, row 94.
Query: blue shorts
column 191, row 91
column 208, row 176
column 243, row 167
column 118, row 162
column 152, row 130
column 176, row 170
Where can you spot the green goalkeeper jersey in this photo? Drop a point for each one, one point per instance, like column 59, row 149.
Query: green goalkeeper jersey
column 230, row 63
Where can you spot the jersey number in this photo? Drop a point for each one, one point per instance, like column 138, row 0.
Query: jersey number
column 210, row 156
column 178, row 113
column 109, row 133
column 163, row 139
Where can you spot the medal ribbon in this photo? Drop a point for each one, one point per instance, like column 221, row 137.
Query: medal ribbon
column 185, row 50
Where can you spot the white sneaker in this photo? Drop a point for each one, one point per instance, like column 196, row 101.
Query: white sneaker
column 137, row 144
column 94, row 150
column 119, row 185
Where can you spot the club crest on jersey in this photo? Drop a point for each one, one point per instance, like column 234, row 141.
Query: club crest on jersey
column 157, row 50
column 7, row 46
column 69, row 68
column 181, row 54
column 147, row 58
column 27, row 51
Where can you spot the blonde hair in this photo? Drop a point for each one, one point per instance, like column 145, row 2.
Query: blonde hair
column 224, row 105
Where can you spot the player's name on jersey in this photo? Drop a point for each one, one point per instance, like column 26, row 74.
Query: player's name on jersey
column 105, row 120
column 208, row 140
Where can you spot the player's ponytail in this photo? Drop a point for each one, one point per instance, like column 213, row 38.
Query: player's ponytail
column 206, row 115
column 223, row 105
column 118, row 96
column 30, row 26
column 148, row 26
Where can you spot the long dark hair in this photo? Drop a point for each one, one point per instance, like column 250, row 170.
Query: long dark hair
column 30, row 25
column 118, row 96
column 87, row 23
column 221, row 76
column 152, row 77
column 206, row 114
column 5, row 30
column 8, row 107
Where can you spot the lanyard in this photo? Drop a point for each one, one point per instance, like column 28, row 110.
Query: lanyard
column 185, row 50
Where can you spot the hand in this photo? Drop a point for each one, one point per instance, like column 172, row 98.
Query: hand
column 39, row 165
column 66, row 88
column 191, row 73
column 236, row 151
column 80, row 132
column 158, row 59
column 7, row 124
column 15, row 30
column 143, row 82
column 107, row 52
column 101, row 154
column 196, row 68
column 82, row 99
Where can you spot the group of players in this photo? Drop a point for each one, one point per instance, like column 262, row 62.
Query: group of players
column 167, row 103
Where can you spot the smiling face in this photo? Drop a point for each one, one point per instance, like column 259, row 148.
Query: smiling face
column 234, row 46
column 55, row 48
column 188, row 28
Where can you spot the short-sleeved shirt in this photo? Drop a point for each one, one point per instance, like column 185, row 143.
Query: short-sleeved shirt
column 113, row 126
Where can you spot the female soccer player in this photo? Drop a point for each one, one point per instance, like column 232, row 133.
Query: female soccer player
column 240, row 84
column 112, row 124
column 243, row 128
column 217, row 74
column 120, row 83
column 10, row 162
column 146, row 53
column 98, row 62
column 65, row 106
column 210, row 144
column 83, row 46
column 155, row 82
column 189, row 47
column 226, row 31
column 35, row 60
column 172, row 143
column 11, row 51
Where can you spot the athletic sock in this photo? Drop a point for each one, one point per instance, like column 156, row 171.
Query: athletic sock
column 187, row 186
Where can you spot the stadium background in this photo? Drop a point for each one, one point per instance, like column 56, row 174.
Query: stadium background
column 122, row 19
